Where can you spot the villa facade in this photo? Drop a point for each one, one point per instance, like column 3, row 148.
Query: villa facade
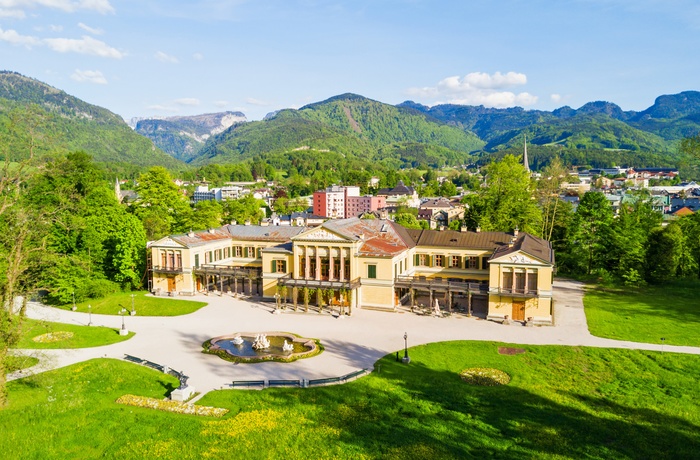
column 369, row 264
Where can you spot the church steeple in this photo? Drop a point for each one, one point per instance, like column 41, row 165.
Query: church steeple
column 525, row 162
column 118, row 190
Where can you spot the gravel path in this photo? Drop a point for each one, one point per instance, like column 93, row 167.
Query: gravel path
column 350, row 343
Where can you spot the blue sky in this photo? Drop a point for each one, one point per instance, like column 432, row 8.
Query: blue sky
column 164, row 58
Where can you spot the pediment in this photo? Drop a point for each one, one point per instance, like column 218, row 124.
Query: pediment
column 517, row 258
column 320, row 234
column 167, row 242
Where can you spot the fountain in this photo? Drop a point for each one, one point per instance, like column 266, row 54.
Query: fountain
column 256, row 346
column 261, row 342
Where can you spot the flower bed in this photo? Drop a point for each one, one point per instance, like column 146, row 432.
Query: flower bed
column 171, row 406
column 485, row 376
column 53, row 337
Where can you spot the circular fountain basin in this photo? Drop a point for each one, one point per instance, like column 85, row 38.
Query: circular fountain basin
column 225, row 347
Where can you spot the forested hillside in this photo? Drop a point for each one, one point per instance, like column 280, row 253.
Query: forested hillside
column 351, row 126
column 29, row 108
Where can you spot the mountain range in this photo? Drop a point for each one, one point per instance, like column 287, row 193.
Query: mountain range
column 361, row 130
column 66, row 123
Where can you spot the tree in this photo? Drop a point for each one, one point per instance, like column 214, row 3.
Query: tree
column 244, row 209
column 407, row 220
column 160, row 205
column 508, row 199
column 548, row 195
column 591, row 230
column 664, row 254
column 20, row 227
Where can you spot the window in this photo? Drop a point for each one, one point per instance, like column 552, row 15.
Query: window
column 484, row 263
column 421, row 260
column 178, row 259
column 473, row 263
column 507, row 284
column 456, row 262
column 532, row 281
column 237, row 251
column 259, row 253
column 279, row 266
column 196, row 260
column 438, row 261
column 250, row 252
column 371, row 271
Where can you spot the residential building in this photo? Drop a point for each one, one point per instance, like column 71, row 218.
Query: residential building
column 400, row 195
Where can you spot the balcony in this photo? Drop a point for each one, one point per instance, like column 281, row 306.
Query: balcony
column 287, row 280
column 440, row 284
column 161, row 269
column 515, row 292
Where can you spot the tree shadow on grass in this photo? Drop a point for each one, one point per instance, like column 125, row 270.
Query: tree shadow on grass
column 675, row 301
column 412, row 411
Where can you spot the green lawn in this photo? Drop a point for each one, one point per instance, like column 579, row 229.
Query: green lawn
column 83, row 336
column 562, row 402
column 646, row 314
column 15, row 363
column 144, row 305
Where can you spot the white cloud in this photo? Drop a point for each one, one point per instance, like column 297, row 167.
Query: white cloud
column 55, row 28
column 253, row 101
column 11, row 13
column 478, row 88
column 101, row 6
column 84, row 45
column 188, row 101
column 90, row 76
column 198, row 56
column 14, row 38
column 220, row 103
column 89, row 29
column 555, row 97
column 162, row 57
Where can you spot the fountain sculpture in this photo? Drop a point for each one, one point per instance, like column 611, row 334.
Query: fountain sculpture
column 238, row 340
column 261, row 342
column 287, row 347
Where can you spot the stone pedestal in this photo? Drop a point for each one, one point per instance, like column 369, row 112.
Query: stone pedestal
column 123, row 332
column 406, row 359
column 182, row 394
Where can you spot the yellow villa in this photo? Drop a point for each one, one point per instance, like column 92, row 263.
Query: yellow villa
column 369, row 264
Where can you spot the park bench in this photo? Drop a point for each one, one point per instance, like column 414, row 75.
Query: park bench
column 354, row 374
column 324, row 381
column 248, row 383
column 133, row 359
column 283, row 383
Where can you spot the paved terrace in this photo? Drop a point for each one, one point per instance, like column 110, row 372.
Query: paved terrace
column 350, row 343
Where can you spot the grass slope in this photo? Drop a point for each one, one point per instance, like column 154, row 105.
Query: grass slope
column 83, row 336
column 562, row 402
column 145, row 305
column 646, row 314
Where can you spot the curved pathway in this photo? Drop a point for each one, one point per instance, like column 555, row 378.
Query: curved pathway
column 350, row 343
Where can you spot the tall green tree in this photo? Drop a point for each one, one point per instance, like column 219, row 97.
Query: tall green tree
column 591, row 233
column 161, row 206
column 508, row 199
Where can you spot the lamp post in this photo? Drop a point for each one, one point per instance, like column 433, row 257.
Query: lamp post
column 133, row 310
column 406, row 359
column 74, row 307
column 663, row 341
column 89, row 315
column 123, row 330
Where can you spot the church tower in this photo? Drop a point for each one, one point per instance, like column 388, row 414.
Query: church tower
column 118, row 190
column 525, row 162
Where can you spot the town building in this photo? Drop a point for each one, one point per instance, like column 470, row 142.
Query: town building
column 367, row 264
column 400, row 195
